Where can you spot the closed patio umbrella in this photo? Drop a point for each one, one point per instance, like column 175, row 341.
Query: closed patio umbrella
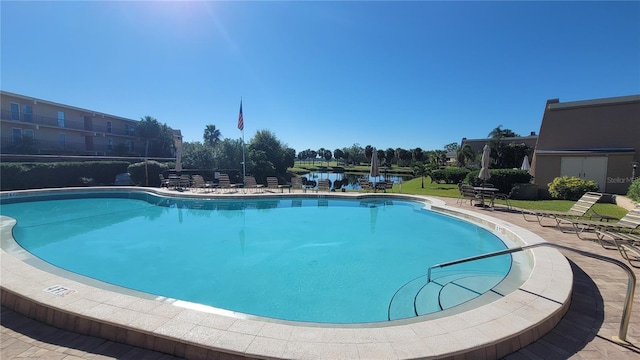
column 375, row 167
column 525, row 163
column 484, row 174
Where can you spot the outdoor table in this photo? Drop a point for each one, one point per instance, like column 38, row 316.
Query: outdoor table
column 282, row 187
column 486, row 191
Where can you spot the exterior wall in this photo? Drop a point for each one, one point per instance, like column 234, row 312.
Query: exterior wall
column 595, row 128
column 86, row 132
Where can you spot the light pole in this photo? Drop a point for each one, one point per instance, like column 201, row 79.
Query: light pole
column 634, row 165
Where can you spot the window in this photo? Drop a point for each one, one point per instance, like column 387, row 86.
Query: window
column 129, row 129
column 62, row 140
column 16, row 135
column 15, row 111
column 109, row 127
column 27, row 113
column 28, row 134
column 61, row 119
column 132, row 147
column 109, row 144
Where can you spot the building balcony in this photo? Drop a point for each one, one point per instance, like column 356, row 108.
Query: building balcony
column 68, row 123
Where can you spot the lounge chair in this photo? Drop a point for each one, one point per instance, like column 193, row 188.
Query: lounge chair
column 627, row 244
column 579, row 209
column 296, row 183
column 198, row 183
column 224, row 183
column 272, row 183
column 324, row 185
column 251, row 184
column 629, row 223
column 365, row 184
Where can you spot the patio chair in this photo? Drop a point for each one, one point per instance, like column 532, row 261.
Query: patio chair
column 224, row 183
column 251, row 184
column 505, row 198
column 272, row 183
column 616, row 236
column 629, row 223
column 163, row 181
column 365, row 184
column 579, row 209
column 198, row 183
column 468, row 193
column 324, row 185
column 296, row 183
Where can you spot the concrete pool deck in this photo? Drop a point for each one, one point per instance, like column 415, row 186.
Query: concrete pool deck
column 576, row 332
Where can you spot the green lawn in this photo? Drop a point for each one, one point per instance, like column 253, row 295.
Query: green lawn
column 414, row 186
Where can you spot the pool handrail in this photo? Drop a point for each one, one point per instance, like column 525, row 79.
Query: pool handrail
column 631, row 284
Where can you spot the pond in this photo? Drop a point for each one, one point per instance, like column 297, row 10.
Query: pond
column 349, row 181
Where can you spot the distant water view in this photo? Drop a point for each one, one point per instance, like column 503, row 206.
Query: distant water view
column 349, row 181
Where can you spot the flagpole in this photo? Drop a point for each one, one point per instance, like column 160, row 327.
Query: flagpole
column 241, row 127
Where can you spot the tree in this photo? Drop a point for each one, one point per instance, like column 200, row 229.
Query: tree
column 499, row 133
column 321, row 154
column 198, row 156
column 390, row 155
column 368, row 150
column 465, row 155
column 268, row 156
column 419, row 169
column 452, row 147
column 211, row 135
column 417, row 155
column 327, row 156
column 148, row 128
column 338, row 154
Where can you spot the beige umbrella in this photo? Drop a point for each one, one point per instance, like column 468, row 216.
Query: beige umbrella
column 375, row 167
column 484, row 174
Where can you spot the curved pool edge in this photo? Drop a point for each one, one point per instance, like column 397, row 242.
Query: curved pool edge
column 491, row 330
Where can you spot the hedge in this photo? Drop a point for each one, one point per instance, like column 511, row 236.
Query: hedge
column 20, row 176
column 503, row 179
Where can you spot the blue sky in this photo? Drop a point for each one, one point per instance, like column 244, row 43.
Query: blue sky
column 323, row 74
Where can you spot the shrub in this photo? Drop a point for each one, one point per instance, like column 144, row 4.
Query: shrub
column 449, row 175
column 634, row 190
column 570, row 188
column 153, row 170
column 19, row 176
column 503, row 179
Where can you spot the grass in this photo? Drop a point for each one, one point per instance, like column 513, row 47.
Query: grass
column 414, row 187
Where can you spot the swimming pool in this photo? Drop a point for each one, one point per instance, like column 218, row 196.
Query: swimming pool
column 300, row 258
column 529, row 302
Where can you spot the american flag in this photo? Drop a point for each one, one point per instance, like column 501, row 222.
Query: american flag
column 240, row 119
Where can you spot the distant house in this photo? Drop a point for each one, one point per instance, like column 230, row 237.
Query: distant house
column 478, row 144
column 594, row 139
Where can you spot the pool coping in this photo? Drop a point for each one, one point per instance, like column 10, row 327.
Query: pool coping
column 491, row 330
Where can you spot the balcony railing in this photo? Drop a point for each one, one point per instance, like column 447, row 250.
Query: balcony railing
column 10, row 145
column 69, row 123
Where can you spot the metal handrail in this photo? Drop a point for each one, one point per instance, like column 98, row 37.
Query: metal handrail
column 631, row 284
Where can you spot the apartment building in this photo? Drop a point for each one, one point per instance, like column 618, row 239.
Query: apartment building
column 40, row 127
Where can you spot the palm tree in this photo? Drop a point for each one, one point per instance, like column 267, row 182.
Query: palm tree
column 148, row 128
column 211, row 135
column 499, row 133
column 419, row 169
column 464, row 155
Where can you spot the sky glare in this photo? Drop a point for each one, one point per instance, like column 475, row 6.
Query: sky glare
column 323, row 74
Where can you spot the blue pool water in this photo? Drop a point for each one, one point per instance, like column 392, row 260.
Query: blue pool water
column 304, row 259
